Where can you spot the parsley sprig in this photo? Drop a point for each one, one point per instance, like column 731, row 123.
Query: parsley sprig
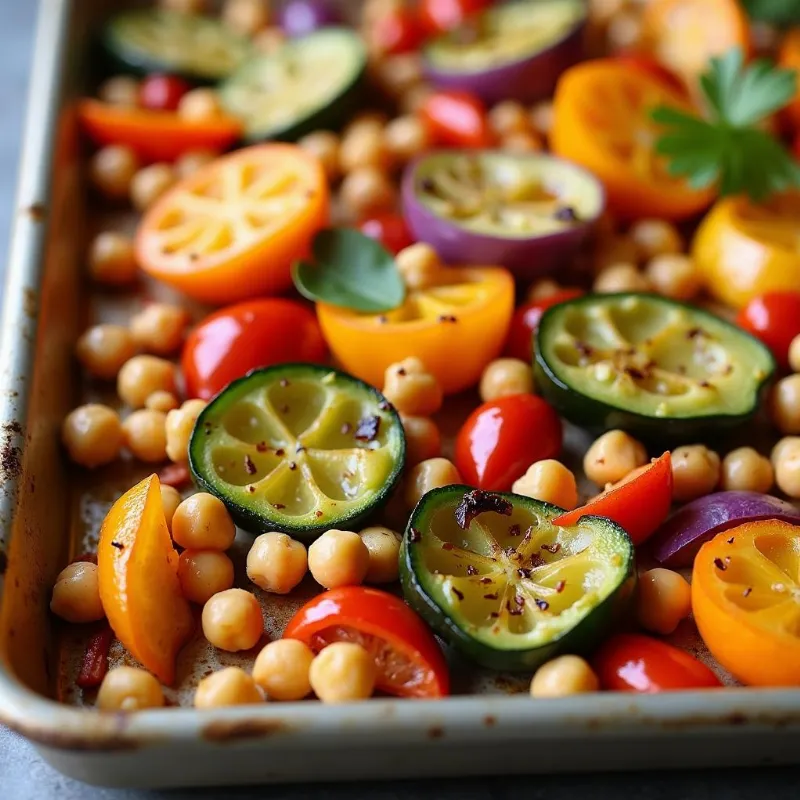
column 728, row 148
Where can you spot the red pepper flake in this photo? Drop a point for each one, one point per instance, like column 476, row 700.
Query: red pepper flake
column 485, row 580
column 583, row 348
column 457, row 593
column 519, row 600
column 346, row 428
column 693, row 333
column 560, row 586
column 552, row 548
column 87, row 558
column 542, row 605
column 299, row 449
column 471, row 570
column 719, row 564
column 514, row 530
column 292, row 466
column 284, row 383
column 251, row 489
column 414, row 535
column 514, row 611
column 704, row 385
column 528, row 535
column 175, row 475
column 278, row 506
column 491, row 596
column 730, row 541
column 261, row 447
column 385, row 405
column 523, row 573
column 284, row 409
column 401, row 372
column 494, row 615
column 447, row 545
column 383, row 319
column 447, row 318
column 249, row 466
column 118, row 545
column 367, row 430
column 280, row 451
column 479, row 502
column 95, row 660
column 746, row 592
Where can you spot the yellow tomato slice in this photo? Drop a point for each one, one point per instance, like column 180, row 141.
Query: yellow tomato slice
column 233, row 229
column 455, row 328
column 746, row 601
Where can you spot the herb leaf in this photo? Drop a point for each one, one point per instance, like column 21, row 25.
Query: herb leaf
column 351, row 271
column 778, row 12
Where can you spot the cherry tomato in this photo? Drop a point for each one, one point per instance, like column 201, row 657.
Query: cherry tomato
column 630, row 662
column 162, row 92
column 438, row 16
column 397, row 32
column 259, row 333
column 409, row 661
column 501, row 439
column 457, row 119
column 775, row 319
column 389, row 229
column 526, row 321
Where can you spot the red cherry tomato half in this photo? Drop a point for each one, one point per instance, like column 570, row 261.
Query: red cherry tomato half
column 457, row 119
column 653, row 68
column 409, row 661
column 438, row 16
column 162, row 92
column 397, row 32
column 501, row 439
column 389, row 229
column 526, row 320
column 237, row 339
column 630, row 662
column 775, row 319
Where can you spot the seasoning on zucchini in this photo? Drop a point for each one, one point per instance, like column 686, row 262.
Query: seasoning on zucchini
column 494, row 577
column 298, row 448
column 151, row 40
column 308, row 84
column 649, row 365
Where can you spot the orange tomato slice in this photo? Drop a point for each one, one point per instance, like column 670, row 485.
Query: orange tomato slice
column 455, row 328
column 139, row 588
column 233, row 229
column 746, row 601
column 602, row 121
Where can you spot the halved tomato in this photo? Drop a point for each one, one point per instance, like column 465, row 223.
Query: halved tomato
column 409, row 661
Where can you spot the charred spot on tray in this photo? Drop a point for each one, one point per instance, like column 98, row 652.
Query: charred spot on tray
column 3, row 562
column 436, row 732
column 479, row 502
column 249, row 466
column 222, row 731
column 367, row 429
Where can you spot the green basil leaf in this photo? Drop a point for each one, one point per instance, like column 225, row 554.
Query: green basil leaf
column 352, row 271
column 778, row 12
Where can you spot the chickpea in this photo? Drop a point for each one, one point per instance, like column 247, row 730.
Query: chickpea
column 624, row 31
column 282, row 669
column 204, row 573
column 411, row 389
column 277, row 563
column 612, row 249
column 665, row 598
column 159, row 328
column 150, row 183
column 161, row 401
column 423, row 439
column 745, row 469
column 364, row 146
column 92, row 435
column 111, row 170
column 542, row 289
column 170, row 500
column 129, row 689
column 612, row 456
column 414, row 98
column 366, row 191
column 621, row 278
column 76, row 594
column 121, row 90
column 143, row 375
column 180, row 424
column 549, row 481
column 420, row 266
column 270, row 40
column 342, row 672
column 373, row 11
column 200, row 105
column 785, row 405
column 323, row 145
column 145, row 435
column 184, row 6
column 398, row 74
column 231, row 686
column 201, row 522
column 383, row 545
column 564, row 676
column 541, row 118
column 103, row 349
column 504, row 377
column 695, row 472
column 232, row 620
column 112, row 260
column 785, row 444
column 601, row 11
column 338, row 558
column 786, row 460
column 245, row 17
column 406, row 137
column 794, row 354
column 655, row 237
column 673, row 276
column 521, row 142
column 427, row 475
column 509, row 117
column 192, row 161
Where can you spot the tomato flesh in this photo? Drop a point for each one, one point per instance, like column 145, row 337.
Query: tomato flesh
column 526, row 320
column 397, row 32
column 162, row 92
column 438, row 16
column 774, row 318
column 389, row 229
column 457, row 119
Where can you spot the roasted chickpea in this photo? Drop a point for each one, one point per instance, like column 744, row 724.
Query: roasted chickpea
column 427, row 475
column 245, row 17
column 204, row 573
column 621, row 278
column 411, row 389
column 665, row 598
column 794, row 354
column 112, row 169
column 143, row 375
column 423, row 439
column 342, row 672
column 199, row 105
column 145, row 435
column 170, row 500
column 564, row 676
column 612, row 456
column 695, row 472
column 549, row 481
column 184, row 6
column 541, row 118
column 112, row 260
column 601, row 11
column 509, row 117
column 398, row 74
column 103, row 349
column 232, row 620
column 338, row 558
column 277, row 563
column 366, row 191
column 121, row 90
column 161, row 401
column 270, row 40
column 542, row 289
column 201, row 522
column 383, row 545
column 673, row 275
column 624, row 31
column 149, row 183
column 419, row 265
column 786, row 460
column 655, row 237
column 76, row 594
column 504, row 377
column 746, row 470
column 129, row 689
column 374, row 10
column 159, row 328
column 521, row 142
column 282, row 670
column 180, row 424
column 406, row 137
column 785, row 405
column 231, row 686
column 611, row 249
column 323, row 145
column 415, row 97
column 364, row 145
column 92, row 435
column 192, row 161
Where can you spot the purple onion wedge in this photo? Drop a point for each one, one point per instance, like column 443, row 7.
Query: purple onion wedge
column 512, row 51
column 301, row 17
column 677, row 541
column 528, row 212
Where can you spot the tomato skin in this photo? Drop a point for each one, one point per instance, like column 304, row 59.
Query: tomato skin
column 258, row 333
column 526, row 321
column 774, row 318
column 397, row 32
column 653, row 68
column 502, row 438
column 438, row 16
column 382, row 615
column 457, row 119
column 389, row 229
column 630, row 662
column 162, row 92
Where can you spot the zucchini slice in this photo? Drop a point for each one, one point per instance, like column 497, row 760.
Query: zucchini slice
column 309, row 84
column 151, row 40
column 298, row 448
column 649, row 365
column 494, row 577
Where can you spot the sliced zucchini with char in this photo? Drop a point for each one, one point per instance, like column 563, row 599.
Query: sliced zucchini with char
column 649, row 365
column 298, row 448
column 494, row 577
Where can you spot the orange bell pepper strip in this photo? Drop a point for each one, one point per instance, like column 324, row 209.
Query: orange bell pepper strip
column 139, row 587
column 638, row 503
